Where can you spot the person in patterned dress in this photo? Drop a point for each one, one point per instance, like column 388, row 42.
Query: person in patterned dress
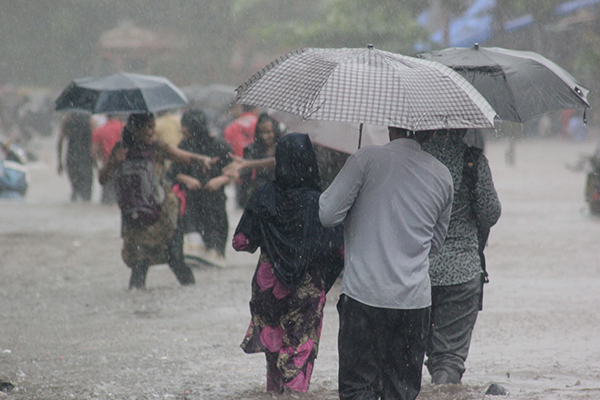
column 299, row 261
column 455, row 271
column 162, row 241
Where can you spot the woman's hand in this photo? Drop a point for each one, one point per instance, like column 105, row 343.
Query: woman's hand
column 238, row 163
column 217, row 183
column 233, row 169
column 205, row 161
column 190, row 183
column 193, row 184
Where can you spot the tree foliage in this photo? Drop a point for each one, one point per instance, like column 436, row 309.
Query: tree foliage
column 387, row 24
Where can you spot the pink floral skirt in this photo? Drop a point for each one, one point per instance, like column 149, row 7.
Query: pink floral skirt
column 286, row 325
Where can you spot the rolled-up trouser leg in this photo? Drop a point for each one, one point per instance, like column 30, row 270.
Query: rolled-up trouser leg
column 453, row 316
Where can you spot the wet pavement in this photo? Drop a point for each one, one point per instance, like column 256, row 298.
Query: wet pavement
column 70, row 329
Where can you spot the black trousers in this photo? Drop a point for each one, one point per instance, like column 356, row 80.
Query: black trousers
column 81, row 176
column 176, row 260
column 454, row 312
column 210, row 220
column 381, row 351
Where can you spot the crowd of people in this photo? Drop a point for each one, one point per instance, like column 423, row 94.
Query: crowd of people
column 401, row 224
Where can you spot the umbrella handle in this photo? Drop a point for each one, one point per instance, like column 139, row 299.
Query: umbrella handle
column 360, row 134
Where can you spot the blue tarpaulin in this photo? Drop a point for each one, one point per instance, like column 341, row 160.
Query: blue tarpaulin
column 475, row 25
column 572, row 6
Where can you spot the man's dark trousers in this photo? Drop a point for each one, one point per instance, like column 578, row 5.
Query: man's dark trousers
column 381, row 351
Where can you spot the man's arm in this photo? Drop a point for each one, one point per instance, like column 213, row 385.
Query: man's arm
column 335, row 202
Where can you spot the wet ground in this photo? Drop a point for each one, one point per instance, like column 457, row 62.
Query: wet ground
column 70, row 329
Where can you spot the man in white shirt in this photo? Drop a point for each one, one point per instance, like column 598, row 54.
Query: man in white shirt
column 395, row 203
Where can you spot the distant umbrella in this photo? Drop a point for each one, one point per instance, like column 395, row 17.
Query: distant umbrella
column 121, row 93
column 519, row 85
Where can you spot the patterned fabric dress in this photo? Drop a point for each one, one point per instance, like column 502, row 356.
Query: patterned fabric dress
column 149, row 245
column 458, row 260
column 299, row 262
column 286, row 325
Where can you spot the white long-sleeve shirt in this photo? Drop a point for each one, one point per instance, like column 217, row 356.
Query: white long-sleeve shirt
column 395, row 203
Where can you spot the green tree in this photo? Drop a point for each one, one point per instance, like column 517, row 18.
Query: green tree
column 387, row 24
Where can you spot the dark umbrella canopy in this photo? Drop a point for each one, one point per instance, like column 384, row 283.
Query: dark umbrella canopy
column 121, row 93
column 519, row 85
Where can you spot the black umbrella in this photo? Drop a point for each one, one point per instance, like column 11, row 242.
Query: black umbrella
column 121, row 93
column 519, row 85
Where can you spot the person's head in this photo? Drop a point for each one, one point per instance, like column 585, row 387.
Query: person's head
column 267, row 131
column 246, row 108
column 401, row 133
column 139, row 130
column 194, row 123
column 296, row 162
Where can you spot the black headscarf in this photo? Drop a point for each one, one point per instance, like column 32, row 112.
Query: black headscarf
column 282, row 217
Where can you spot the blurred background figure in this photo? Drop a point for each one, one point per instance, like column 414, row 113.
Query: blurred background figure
column 77, row 129
column 330, row 163
column 157, row 240
column 168, row 128
column 205, row 200
column 104, row 139
column 239, row 134
column 266, row 136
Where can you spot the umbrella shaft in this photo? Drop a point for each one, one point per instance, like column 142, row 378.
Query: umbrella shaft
column 360, row 134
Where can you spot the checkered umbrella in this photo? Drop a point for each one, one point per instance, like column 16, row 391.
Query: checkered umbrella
column 367, row 86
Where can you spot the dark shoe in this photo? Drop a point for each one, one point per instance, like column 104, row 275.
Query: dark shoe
column 138, row 277
column 443, row 377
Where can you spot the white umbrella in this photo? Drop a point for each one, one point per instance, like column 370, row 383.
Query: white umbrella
column 339, row 136
column 367, row 86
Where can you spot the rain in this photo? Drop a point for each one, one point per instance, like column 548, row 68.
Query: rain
column 71, row 329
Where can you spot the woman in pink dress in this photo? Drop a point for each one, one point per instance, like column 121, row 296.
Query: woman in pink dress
column 299, row 261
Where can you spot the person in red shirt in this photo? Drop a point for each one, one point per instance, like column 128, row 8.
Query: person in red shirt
column 239, row 134
column 104, row 139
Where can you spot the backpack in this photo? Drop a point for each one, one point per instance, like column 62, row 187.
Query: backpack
column 140, row 194
column 471, row 159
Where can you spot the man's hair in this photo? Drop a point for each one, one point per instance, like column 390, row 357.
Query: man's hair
column 420, row 136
